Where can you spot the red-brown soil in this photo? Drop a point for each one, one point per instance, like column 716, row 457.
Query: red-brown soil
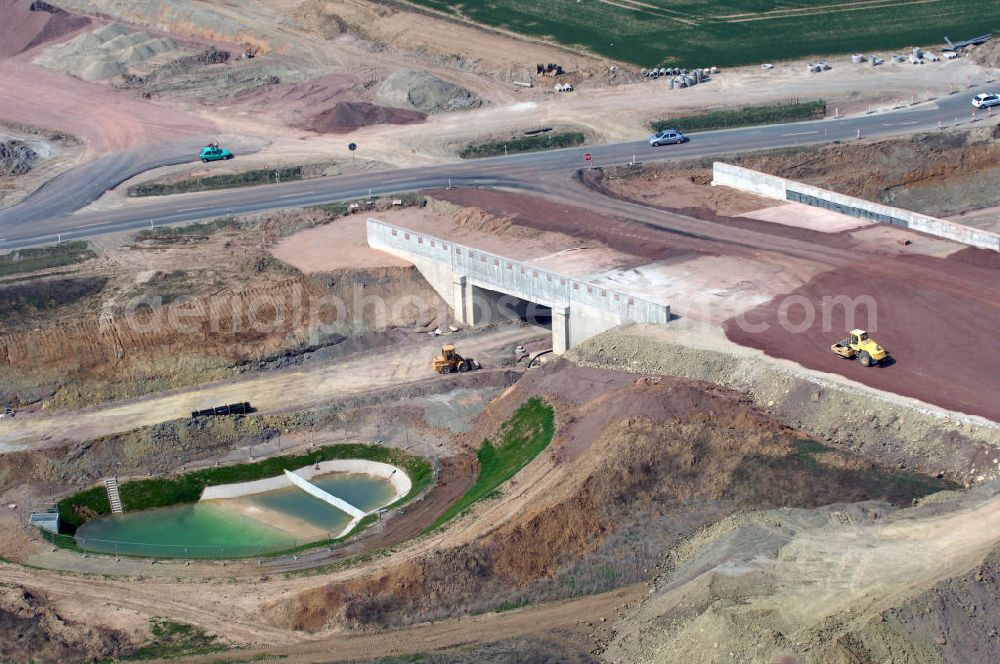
column 298, row 103
column 939, row 319
column 577, row 221
column 28, row 23
column 106, row 120
column 346, row 116
column 937, row 316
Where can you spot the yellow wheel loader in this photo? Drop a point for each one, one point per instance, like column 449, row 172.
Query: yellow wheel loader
column 449, row 361
column 861, row 347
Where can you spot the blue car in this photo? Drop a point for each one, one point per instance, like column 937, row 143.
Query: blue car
column 215, row 153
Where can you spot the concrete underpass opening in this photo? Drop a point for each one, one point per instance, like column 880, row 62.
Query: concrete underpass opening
column 477, row 305
column 489, row 305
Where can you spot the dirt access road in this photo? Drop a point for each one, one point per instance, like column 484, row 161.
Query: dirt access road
column 121, row 134
column 127, row 605
column 571, row 615
column 280, row 390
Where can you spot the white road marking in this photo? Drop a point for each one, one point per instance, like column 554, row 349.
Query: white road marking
column 898, row 124
column 99, row 223
column 191, row 209
column 802, row 133
column 300, row 193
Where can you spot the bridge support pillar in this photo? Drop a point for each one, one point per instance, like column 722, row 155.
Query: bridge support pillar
column 560, row 330
column 461, row 300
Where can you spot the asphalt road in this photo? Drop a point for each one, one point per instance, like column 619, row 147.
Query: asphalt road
column 25, row 226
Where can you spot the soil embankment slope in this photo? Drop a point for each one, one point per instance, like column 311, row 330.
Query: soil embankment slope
column 843, row 584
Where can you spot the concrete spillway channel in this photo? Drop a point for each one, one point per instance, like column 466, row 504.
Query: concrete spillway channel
column 316, row 492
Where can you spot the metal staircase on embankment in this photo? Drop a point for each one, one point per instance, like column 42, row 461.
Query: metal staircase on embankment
column 111, row 484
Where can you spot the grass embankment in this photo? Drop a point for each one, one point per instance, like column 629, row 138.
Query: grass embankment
column 45, row 295
column 175, row 639
column 745, row 117
column 696, row 33
column 565, row 139
column 41, row 258
column 520, row 439
column 139, row 495
column 188, row 232
column 222, row 181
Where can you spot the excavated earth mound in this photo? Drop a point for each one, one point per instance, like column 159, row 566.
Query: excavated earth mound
column 28, row 23
column 416, row 89
column 939, row 174
column 109, row 51
column 347, row 116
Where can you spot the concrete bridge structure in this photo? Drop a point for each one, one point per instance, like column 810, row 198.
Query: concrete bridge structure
column 483, row 287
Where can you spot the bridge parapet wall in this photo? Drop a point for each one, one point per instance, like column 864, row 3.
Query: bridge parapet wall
column 517, row 278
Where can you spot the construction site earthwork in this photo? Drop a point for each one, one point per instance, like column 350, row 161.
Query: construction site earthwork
column 351, row 331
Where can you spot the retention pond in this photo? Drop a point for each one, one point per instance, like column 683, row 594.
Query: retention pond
column 253, row 518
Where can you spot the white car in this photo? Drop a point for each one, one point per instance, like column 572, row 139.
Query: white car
column 666, row 136
column 986, row 99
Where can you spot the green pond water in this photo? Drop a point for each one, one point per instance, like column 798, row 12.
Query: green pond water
column 210, row 530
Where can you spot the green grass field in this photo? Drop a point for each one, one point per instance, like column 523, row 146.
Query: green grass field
column 554, row 141
column 33, row 259
column 702, row 33
column 746, row 116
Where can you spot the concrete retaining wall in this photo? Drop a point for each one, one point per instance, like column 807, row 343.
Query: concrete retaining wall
column 783, row 189
column 745, row 179
column 48, row 520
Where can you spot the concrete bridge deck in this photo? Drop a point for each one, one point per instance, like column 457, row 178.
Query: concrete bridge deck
column 483, row 286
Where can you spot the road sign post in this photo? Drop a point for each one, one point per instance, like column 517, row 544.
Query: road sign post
column 589, row 158
column 352, row 147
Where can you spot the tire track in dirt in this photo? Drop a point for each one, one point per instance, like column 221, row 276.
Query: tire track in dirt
column 447, row 634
